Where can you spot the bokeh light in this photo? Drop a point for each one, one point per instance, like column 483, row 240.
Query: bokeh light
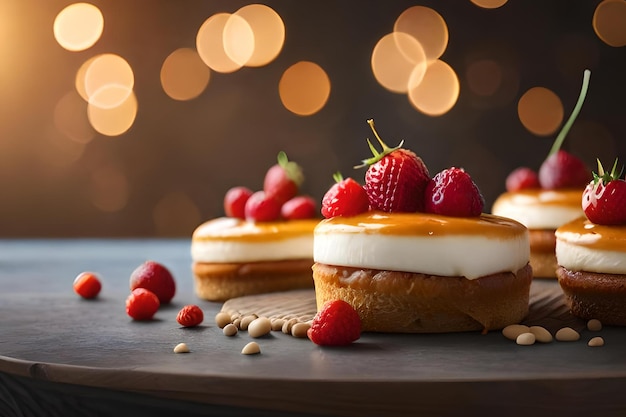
column 78, row 26
column 427, row 27
column 115, row 120
column 183, row 74
column 609, row 22
column 304, row 88
column 210, row 44
column 109, row 188
column 489, row 4
column 70, row 118
column 397, row 59
column 109, row 80
column 268, row 30
column 238, row 39
column 540, row 110
column 439, row 90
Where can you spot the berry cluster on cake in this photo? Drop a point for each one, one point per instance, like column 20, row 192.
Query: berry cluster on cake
column 591, row 251
column 413, row 253
column 264, row 243
column 546, row 199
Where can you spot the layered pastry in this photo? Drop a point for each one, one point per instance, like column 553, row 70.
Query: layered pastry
column 424, row 273
column 420, row 257
column 234, row 257
column 541, row 211
column 591, row 251
column 263, row 244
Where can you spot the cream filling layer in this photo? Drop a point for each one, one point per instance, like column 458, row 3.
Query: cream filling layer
column 575, row 257
column 536, row 216
column 470, row 256
column 237, row 251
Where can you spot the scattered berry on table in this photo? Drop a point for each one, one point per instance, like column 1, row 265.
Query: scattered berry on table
column 87, row 285
column 337, row 323
column 453, row 193
column 190, row 316
column 142, row 304
column 155, row 277
column 345, row 198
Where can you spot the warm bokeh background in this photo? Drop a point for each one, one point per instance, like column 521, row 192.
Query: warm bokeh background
column 505, row 80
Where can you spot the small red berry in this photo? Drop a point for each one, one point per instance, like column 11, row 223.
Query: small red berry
column 283, row 179
column 235, row 201
column 604, row 198
column 190, row 316
column 142, row 304
column 563, row 170
column 87, row 285
column 345, row 198
column 262, row 208
column 336, row 324
column 155, row 277
column 299, row 207
column 522, row 178
column 453, row 193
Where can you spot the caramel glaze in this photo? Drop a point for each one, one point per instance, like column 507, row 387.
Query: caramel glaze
column 422, row 224
column 230, row 228
column 538, row 196
column 590, row 235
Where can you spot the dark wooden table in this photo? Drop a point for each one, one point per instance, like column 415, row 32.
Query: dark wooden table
column 62, row 355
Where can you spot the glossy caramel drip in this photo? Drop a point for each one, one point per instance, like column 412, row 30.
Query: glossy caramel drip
column 582, row 232
column 535, row 196
column 422, row 224
column 228, row 228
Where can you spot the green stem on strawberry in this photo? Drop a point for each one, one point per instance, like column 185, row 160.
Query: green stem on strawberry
column 579, row 104
column 377, row 155
column 338, row 177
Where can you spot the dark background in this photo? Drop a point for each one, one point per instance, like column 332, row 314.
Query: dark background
column 179, row 158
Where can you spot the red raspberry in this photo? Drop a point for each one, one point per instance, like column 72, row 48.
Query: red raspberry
column 522, row 178
column 155, row 277
column 260, row 207
column 283, row 180
column 190, row 316
column 142, row 304
column 345, row 198
column 235, row 201
column 453, row 193
column 299, row 207
column 87, row 285
column 336, row 324
column 563, row 170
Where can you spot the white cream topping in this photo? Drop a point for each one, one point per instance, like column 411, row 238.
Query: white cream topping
column 541, row 211
column 471, row 256
column 230, row 240
column 573, row 254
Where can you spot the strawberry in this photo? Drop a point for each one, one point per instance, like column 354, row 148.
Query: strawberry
column 262, row 207
column 345, row 198
column 522, row 178
column 142, row 304
column 336, row 324
column 395, row 179
column 155, row 277
column 299, row 207
column 563, row 170
column 235, row 201
column 453, row 193
column 604, row 198
column 87, row 285
column 190, row 316
column 282, row 180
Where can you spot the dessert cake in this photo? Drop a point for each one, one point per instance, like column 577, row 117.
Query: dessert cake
column 263, row 244
column 546, row 199
column 591, row 252
column 421, row 257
